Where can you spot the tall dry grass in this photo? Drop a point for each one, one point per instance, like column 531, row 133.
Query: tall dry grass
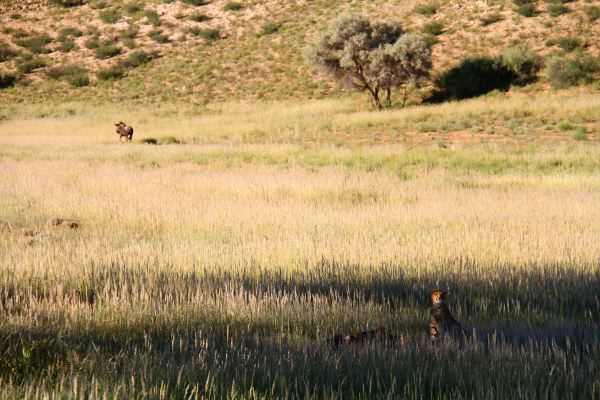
column 217, row 271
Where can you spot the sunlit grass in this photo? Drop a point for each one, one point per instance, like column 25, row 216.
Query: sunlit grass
column 217, row 270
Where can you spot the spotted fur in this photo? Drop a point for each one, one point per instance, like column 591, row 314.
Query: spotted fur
column 441, row 320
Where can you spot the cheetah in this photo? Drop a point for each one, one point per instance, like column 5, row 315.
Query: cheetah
column 441, row 320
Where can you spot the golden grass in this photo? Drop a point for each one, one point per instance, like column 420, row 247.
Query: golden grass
column 206, row 270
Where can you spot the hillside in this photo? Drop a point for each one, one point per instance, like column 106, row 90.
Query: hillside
column 222, row 50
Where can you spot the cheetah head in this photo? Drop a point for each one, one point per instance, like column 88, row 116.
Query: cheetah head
column 438, row 297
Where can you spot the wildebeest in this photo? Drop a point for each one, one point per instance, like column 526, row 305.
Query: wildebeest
column 124, row 130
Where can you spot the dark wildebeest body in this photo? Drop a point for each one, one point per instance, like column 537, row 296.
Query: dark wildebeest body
column 124, row 130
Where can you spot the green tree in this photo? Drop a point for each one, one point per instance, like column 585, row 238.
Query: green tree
column 372, row 57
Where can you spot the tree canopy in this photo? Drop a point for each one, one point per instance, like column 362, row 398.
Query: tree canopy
column 371, row 56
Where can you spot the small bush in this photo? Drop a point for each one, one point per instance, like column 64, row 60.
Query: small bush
column 129, row 33
column 522, row 2
column 564, row 72
column 564, row 126
column 67, row 45
column 158, row 36
column 522, row 61
column 526, row 10
column 199, row 17
column 233, row 6
column 36, row 43
column 137, row 58
column 270, row 28
column 149, row 140
column 426, row 8
column 7, row 79
column 132, row 8
column 434, row 28
column 567, row 44
column 209, row 34
column 109, row 16
column 79, row 79
column 153, row 18
column 169, row 140
column 16, row 16
column 30, row 65
column 107, row 51
column 67, row 3
column 98, row 5
column 111, row 73
column 195, row 2
column 6, row 52
column 592, row 12
column 557, row 9
column 74, row 74
column 579, row 134
column 92, row 43
column 491, row 19
column 68, row 32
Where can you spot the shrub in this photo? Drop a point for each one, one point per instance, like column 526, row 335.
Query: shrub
column 523, row 2
column 434, row 28
column 92, row 43
column 68, row 32
column 75, row 75
column 79, row 79
column 131, row 8
column 149, row 140
column 233, row 6
column 169, row 140
column 522, row 61
column 15, row 16
column 564, row 72
column 592, row 12
column 111, row 73
column 564, row 126
column 107, row 51
column 557, row 9
column 209, row 34
column 67, row 3
column 137, row 58
column 579, row 134
column 195, row 2
column 153, row 17
column 270, row 28
column 426, row 8
column 6, row 52
column 526, row 10
column 158, row 36
column 490, row 19
column 567, row 44
column 7, row 79
column 129, row 33
column 473, row 77
column 67, row 45
column 98, row 5
column 199, row 17
column 36, row 43
column 109, row 16
column 30, row 65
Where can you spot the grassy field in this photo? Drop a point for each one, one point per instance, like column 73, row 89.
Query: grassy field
column 216, row 264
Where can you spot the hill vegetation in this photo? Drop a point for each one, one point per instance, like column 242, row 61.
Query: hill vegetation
column 222, row 51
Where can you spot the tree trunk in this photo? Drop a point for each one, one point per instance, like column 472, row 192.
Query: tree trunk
column 375, row 95
column 388, row 97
